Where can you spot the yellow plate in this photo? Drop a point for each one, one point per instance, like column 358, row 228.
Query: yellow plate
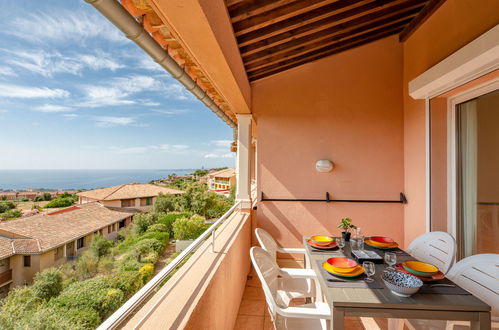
column 356, row 272
column 421, row 267
column 391, row 246
column 374, row 243
column 322, row 240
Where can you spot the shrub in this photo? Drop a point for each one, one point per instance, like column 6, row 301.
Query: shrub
column 188, row 228
column 4, row 198
column 159, row 236
column 19, row 299
column 158, row 227
column 47, row 284
column 146, row 246
column 38, row 198
column 105, row 265
column 86, row 265
column 11, row 214
column 59, row 202
column 146, row 272
column 128, row 282
column 100, row 245
column 129, row 262
column 165, row 203
column 150, row 258
column 47, row 196
column 143, row 221
column 5, row 206
column 169, row 219
column 95, row 293
column 126, row 232
column 52, row 317
column 24, row 199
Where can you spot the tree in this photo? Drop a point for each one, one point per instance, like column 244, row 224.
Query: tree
column 165, row 203
column 47, row 196
column 100, row 245
column 47, row 284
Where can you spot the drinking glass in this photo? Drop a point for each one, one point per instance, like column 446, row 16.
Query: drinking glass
column 358, row 232
column 391, row 260
column 360, row 243
column 341, row 242
column 370, row 270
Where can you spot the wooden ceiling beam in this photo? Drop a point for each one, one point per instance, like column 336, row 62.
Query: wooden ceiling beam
column 362, row 23
column 278, row 15
column 322, row 43
column 427, row 11
column 303, row 20
column 245, row 10
column 332, row 27
column 341, row 46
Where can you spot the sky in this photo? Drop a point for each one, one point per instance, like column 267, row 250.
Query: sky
column 76, row 94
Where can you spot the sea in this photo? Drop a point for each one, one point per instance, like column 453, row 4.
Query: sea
column 79, row 179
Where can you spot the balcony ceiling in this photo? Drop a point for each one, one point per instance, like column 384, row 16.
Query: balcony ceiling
column 276, row 35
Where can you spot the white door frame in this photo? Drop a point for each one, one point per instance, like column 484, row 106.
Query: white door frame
column 452, row 101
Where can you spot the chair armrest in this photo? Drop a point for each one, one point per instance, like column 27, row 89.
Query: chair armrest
column 298, row 272
column 321, row 311
column 291, row 250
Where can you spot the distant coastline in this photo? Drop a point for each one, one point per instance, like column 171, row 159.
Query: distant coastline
column 79, row 179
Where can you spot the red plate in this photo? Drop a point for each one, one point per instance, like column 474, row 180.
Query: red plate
column 438, row 276
column 330, row 246
column 382, row 239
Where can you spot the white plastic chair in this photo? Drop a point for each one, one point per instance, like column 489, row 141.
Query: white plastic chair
column 437, row 248
column 308, row 316
column 479, row 274
column 268, row 243
column 295, row 288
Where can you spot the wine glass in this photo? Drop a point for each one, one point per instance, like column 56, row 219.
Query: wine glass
column 370, row 270
column 341, row 242
column 391, row 260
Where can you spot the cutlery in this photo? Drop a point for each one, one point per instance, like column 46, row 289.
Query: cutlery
column 443, row 284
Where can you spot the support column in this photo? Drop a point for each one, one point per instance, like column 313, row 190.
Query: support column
column 65, row 251
column 243, row 183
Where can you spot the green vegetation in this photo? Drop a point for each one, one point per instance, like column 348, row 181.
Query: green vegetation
column 63, row 200
column 43, row 197
column 189, row 228
column 8, row 210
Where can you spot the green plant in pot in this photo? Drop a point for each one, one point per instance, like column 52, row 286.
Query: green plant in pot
column 346, row 225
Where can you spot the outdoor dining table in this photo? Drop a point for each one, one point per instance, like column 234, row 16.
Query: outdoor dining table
column 381, row 302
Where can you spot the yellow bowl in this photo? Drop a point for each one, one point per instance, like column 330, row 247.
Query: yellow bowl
column 322, row 240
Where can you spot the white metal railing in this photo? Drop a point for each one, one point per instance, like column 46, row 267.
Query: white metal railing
column 140, row 296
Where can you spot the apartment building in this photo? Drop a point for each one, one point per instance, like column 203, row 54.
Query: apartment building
column 222, row 180
column 133, row 195
column 32, row 244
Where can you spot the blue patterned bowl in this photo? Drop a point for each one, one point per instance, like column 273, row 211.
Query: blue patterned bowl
column 401, row 284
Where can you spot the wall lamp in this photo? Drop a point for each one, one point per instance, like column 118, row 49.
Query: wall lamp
column 324, row 166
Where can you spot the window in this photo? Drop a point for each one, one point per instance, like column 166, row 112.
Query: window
column 80, row 243
column 27, row 261
column 109, row 229
column 121, row 224
column 127, row 202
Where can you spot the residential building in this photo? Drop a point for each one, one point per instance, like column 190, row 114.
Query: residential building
column 133, row 195
column 371, row 86
column 222, row 181
column 31, row 194
column 32, row 244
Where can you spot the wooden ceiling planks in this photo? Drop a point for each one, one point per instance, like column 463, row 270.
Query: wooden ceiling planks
column 276, row 35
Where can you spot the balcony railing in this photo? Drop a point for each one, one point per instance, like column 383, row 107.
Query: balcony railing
column 137, row 300
column 5, row 277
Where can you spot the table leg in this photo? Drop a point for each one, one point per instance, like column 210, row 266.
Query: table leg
column 483, row 322
column 338, row 319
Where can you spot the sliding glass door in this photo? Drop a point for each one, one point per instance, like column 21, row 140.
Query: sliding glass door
column 477, row 169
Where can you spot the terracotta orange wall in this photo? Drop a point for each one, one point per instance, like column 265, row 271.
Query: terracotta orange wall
column 346, row 108
column 452, row 26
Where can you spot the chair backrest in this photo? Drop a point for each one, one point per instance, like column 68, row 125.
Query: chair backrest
column 268, row 273
column 479, row 274
column 267, row 242
column 437, row 248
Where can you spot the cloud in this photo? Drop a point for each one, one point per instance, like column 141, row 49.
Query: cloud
column 172, row 112
column 106, row 121
column 99, row 96
column 49, row 63
column 147, row 63
column 53, row 108
column 6, row 71
column 152, row 104
column 221, row 143
column 169, row 148
column 30, row 92
column 63, row 26
column 3, row 111
column 220, row 155
column 70, row 115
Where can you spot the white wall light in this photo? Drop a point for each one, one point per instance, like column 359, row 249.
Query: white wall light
column 324, row 165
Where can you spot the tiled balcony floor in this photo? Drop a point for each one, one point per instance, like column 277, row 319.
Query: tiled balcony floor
column 253, row 313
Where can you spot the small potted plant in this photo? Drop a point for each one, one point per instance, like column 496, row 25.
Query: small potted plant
column 346, row 225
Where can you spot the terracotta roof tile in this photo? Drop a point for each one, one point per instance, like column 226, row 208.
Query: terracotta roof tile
column 127, row 191
column 227, row 173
